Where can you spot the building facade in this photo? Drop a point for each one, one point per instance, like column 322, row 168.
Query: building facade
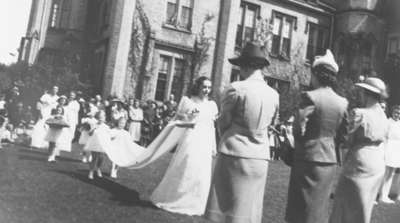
column 151, row 49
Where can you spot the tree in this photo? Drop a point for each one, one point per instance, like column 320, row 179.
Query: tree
column 35, row 79
column 293, row 70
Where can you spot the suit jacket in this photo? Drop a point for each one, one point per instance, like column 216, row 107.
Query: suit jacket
column 320, row 126
column 248, row 108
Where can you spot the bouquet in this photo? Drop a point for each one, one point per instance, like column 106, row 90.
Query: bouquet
column 57, row 123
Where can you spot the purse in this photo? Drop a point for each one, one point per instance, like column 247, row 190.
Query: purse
column 287, row 150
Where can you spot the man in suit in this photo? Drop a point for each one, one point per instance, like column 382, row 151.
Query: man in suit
column 319, row 128
column 248, row 108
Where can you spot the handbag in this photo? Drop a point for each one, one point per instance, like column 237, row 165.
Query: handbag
column 287, row 150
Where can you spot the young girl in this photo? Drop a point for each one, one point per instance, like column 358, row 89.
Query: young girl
column 99, row 139
column 120, row 138
column 56, row 124
column 86, row 125
column 392, row 154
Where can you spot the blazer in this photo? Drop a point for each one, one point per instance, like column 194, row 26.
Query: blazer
column 320, row 126
column 248, row 108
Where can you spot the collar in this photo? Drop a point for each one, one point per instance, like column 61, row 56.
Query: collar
column 257, row 75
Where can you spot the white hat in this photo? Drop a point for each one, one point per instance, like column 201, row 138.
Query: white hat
column 327, row 60
column 375, row 85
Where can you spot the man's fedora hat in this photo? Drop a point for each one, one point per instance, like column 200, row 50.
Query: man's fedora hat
column 251, row 54
column 374, row 85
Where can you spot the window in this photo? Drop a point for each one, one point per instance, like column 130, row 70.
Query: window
column 393, row 45
column 55, row 14
column 179, row 13
column 247, row 22
column 282, row 34
column 318, row 40
column 177, row 80
column 235, row 75
column 165, row 64
column 366, row 56
column 171, row 74
column 105, row 14
column 280, row 86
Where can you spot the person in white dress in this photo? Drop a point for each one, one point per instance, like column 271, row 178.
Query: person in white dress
column 46, row 103
column 99, row 139
column 72, row 111
column 55, row 131
column 392, row 154
column 136, row 117
column 119, row 137
column 185, row 186
column 87, row 123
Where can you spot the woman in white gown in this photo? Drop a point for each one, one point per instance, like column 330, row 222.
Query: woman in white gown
column 185, row 186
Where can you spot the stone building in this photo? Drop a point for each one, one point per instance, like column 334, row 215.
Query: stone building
column 151, row 49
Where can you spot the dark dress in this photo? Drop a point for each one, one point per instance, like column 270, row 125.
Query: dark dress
column 319, row 127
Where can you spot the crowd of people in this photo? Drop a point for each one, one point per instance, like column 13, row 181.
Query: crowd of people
column 312, row 142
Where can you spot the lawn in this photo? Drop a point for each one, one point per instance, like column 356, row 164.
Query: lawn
column 32, row 190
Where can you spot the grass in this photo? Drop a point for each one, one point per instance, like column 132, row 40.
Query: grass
column 32, row 190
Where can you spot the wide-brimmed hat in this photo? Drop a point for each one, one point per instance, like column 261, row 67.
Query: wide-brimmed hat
column 251, row 54
column 62, row 97
column 116, row 100
column 374, row 85
column 327, row 60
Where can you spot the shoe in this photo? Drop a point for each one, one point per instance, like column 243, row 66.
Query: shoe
column 84, row 159
column 113, row 174
column 51, row 159
column 91, row 177
column 99, row 174
column 387, row 200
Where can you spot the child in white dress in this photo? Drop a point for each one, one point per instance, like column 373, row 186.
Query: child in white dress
column 86, row 125
column 118, row 138
column 56, row 124
column 99, row 139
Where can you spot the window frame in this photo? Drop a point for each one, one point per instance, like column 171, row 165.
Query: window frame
column 293, row 22
column 245, row 8
column 173, row 58
column 318, row 28
column 54, row 19
column 176, row 23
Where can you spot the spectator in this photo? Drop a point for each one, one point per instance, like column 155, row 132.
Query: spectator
column 3, row 103
column 136, row 117
column 17, row 116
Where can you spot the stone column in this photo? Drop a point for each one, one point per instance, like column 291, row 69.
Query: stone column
column 225, row 44
column 118, row 48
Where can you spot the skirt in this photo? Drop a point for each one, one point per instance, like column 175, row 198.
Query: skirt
column 358, row 186
column 237, row 191
column 135, row 130
column 392, row 153
column 310, row 187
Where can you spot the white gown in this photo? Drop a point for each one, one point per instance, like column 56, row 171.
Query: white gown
column 185, row 186
column 392, row 148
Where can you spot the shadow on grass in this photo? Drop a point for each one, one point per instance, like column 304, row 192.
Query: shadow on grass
column 43, row 156
column 120, row 193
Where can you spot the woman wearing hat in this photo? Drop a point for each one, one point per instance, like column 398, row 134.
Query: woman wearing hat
column 364, row 166
column 318, row 129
